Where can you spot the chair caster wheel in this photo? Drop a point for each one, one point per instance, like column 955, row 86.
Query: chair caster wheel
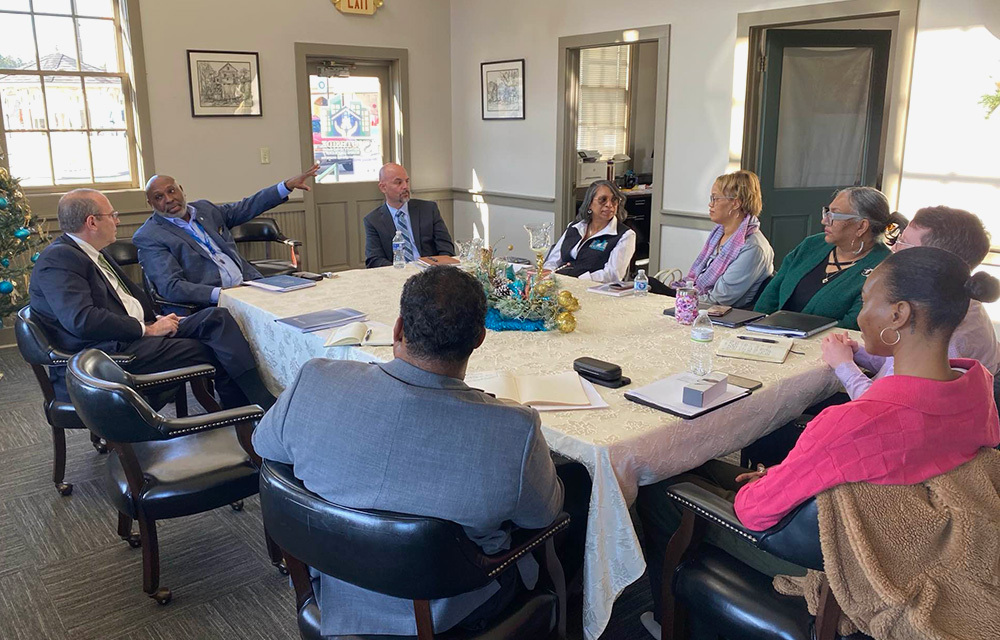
column 237, row 506
column 64, row 488
column 162, row 596
column 282, row 567
column 101, row 446
column 133, row 540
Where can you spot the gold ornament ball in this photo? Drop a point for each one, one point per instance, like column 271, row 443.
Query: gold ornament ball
column 510, row 247
column 544, row 287
column 565, row 322
column 567, row 301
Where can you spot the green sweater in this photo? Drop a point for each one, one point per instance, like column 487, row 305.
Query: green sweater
column 840, row 298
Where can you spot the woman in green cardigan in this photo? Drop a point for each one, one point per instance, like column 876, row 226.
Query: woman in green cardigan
column 823, row 276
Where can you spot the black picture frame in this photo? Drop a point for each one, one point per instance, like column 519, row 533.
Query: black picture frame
column 224, row 84
column 501, row 84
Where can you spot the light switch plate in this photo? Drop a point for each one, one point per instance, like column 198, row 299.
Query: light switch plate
column 265, row 155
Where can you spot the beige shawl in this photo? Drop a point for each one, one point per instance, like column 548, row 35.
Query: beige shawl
column 909, row 562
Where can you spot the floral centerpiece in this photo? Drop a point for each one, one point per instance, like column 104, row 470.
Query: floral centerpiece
column 524, row 300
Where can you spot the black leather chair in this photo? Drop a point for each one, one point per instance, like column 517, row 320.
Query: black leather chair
column 125, row 253
column 163, row 467
column 725, row 596
column 410, row 557
column 39, row 352
column 266, row 230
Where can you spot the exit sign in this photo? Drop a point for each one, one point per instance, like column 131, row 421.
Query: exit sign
column 363, row 7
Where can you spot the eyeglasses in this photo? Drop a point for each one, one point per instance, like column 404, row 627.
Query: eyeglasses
column 713, row 199
column 830, row 216
column 603, row 200
column 113, row 214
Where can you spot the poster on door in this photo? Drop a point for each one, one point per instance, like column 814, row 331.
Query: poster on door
column 346, row 128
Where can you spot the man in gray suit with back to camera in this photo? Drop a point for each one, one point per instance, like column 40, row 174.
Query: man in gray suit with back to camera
column 420, row 221
column 187, row 249
column 410, row 436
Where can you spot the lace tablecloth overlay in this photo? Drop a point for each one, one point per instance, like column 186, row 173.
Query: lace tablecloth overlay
column 624, row 446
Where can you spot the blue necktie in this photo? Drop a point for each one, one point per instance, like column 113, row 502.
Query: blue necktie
column 407, row 249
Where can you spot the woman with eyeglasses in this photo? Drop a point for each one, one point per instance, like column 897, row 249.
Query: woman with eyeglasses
column 823, row 276
column 954, row 230
column 736, row 258
column 599, row 245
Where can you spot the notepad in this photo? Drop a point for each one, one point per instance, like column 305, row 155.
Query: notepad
column 556, row 390
column 433, row 261
column 668, row 395
column 325, row 319
column 361, row 334
column 617, row 289
column 281, row 284
column 775, row 351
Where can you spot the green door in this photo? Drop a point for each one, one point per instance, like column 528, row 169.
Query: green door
column 821, row 124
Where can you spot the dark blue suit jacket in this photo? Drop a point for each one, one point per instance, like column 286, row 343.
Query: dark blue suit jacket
column 76, row 306
column 179, row 267
column 429, row 232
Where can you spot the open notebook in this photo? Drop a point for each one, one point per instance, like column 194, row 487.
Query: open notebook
column 361, row 334
column 560, row 391
column 775, row 349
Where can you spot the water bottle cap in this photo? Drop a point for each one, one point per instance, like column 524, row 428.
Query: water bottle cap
column 642, row 272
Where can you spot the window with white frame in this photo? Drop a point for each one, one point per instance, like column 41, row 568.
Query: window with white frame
column 602, row 122
column 66, row 96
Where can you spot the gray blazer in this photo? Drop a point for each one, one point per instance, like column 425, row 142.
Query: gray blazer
column 429, row 232
column 397, row 438
column 179, row 267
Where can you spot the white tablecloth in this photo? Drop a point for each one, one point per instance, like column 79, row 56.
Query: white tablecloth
column 623, row 446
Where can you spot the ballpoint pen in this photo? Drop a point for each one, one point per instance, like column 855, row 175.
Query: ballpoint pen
column 756, row 339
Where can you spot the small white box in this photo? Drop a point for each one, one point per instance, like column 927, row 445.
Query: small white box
column 706, row 390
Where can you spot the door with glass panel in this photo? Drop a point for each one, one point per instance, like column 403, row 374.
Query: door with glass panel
column 352, row 128
column 821, row 125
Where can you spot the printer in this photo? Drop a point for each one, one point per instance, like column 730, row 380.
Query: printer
column 589, row 167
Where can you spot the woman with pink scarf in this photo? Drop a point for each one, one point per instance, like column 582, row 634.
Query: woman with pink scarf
column 737, row 258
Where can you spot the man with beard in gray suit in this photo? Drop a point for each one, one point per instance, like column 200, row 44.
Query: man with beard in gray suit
column 410, row 436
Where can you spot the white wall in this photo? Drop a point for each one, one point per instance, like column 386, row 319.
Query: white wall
column 955, row 54
column 218, row 158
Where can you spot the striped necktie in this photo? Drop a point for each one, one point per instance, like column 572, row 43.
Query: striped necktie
column 101, row 260
column 402, row 226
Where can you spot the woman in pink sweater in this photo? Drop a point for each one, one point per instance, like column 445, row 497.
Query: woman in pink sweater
column 931, row 416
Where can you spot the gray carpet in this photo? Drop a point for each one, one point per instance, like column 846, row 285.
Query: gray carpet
column 64, row 573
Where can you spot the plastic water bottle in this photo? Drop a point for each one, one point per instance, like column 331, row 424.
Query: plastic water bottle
column 641, row 284
column 702, row 334
column 398, row 256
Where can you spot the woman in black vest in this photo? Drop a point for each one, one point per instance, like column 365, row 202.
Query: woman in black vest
column 599, row 245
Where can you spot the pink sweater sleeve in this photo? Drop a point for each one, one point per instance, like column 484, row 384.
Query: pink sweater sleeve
column 809, row 469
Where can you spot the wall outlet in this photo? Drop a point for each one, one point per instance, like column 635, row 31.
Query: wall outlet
column 265, row 155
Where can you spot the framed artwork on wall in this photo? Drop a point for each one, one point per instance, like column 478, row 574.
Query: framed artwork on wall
column 224, row 83
column 502, row 85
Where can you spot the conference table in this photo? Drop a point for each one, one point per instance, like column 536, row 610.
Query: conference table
column 624, row 446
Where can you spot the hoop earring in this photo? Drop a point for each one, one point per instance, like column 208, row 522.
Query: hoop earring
column 882, row 338
column 860, row 249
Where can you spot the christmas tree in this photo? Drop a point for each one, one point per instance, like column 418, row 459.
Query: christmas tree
column 21, row 237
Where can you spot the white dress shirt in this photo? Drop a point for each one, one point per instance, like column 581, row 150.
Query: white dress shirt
column 614, row 269
column 132, row 305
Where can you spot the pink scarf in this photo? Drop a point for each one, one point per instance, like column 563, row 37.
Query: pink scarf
column 705, row 281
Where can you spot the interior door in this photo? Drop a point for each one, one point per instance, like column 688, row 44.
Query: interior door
column 352, row 127
column 821, row 124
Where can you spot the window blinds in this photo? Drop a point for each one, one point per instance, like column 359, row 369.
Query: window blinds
column 604, row 98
